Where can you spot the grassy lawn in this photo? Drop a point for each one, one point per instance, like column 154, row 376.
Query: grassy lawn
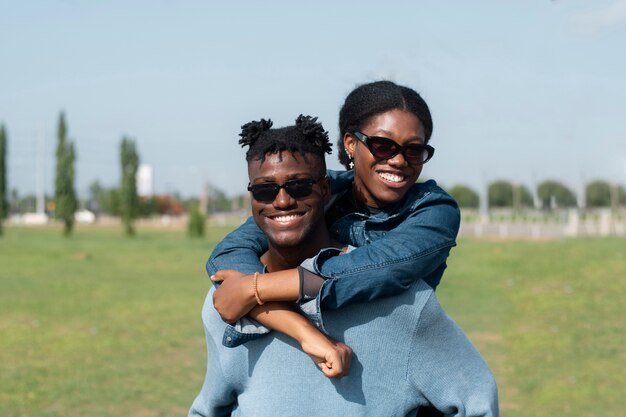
column 102, row 325
column 549, row 318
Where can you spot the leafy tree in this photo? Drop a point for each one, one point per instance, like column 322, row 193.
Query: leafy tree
column 553, row 191
column 602, row 194
column 96, row 197
column 465, row 196
column 505, row 194
column 196, row 222
column 525, row 196
column 129, row 200
column 621, row 195
column 65, row 195
column 104, row 200
column 113, row 202
column 13, row 205
column 4, row 205
column 149, row 206
column 217, row 201
column 598, row 194
column 500, row 194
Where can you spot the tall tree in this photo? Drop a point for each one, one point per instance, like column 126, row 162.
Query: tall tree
column 129, row 204
column 64, row 192
column 4, row 205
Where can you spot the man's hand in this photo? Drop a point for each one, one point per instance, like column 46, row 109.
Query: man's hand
column 333, row 358
column 235, row 296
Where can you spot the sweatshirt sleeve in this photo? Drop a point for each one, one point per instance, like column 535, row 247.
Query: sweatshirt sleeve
column 445, row 367
column 217, row 397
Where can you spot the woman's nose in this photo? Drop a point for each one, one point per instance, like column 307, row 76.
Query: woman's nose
column 397, row 160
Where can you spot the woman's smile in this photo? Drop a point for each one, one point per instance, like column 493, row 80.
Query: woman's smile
column 378, row 182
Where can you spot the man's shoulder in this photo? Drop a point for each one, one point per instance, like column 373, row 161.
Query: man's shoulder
column 394, row 312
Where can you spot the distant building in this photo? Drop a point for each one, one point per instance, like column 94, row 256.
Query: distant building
column 145, row 181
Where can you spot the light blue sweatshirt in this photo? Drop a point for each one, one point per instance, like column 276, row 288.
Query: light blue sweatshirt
column 407, row 353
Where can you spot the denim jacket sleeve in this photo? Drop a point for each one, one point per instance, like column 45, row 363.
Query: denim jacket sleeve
column 247, row 329
column 412, row 245
column 394, row 256
column 240, row 250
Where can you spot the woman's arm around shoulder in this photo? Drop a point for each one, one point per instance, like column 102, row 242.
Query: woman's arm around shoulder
column 415, row 248
column 239, row 250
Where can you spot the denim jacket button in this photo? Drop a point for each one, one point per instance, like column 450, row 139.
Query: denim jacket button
column 229, row 339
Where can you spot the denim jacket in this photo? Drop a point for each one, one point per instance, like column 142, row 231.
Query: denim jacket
column 407, row 241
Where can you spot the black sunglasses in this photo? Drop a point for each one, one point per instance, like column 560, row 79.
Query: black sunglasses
column 267, row 191
column 384, row 148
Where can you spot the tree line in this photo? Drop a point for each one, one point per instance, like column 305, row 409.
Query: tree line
column 551, row 194
column 124, row 202
column 65, row 202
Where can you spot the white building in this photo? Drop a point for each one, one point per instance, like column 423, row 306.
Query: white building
column 145, row 181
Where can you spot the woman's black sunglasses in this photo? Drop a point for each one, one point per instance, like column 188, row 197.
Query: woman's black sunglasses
column 384, row 148
column 267, row 191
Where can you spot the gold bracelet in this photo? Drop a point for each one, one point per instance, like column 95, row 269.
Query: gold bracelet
column 256, row 289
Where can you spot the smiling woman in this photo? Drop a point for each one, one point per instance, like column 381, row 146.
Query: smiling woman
column 382, row 175
column 402, row 230
column 409, row 334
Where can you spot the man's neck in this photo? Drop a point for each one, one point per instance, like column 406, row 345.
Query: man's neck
column 280, row 258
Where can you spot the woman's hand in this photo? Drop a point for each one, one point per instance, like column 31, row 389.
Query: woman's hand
column 235, row 296
column 333, row 358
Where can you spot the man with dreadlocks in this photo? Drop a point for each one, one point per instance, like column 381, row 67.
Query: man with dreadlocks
column 271, row 376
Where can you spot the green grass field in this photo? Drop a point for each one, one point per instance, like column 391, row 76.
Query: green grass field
column 102, row 325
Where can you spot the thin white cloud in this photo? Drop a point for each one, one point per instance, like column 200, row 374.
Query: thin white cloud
column 596, row 20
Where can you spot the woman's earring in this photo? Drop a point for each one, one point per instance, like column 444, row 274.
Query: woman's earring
column 351, row 163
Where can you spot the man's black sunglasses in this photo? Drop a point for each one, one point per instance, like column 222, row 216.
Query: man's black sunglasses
column 384, row 148
column 266, row 192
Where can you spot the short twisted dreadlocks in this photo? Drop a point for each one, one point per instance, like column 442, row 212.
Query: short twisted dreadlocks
column 307, row 136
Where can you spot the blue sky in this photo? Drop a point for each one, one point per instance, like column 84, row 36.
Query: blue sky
column 523, row 91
